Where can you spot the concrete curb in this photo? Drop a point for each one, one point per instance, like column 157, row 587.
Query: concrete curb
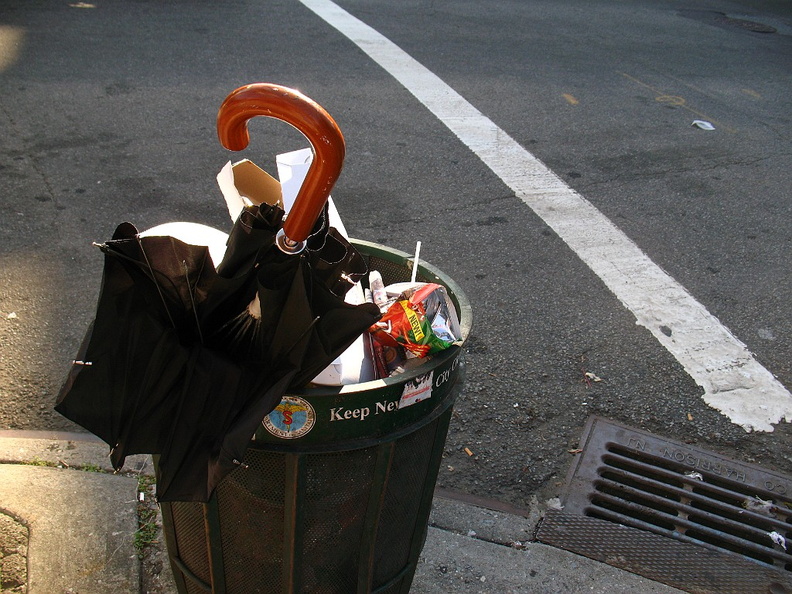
column 472, row 549
column 81, row 517
column 66, row 450
column 74, row 547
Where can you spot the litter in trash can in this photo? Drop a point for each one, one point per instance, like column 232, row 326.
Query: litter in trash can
column 421, row 319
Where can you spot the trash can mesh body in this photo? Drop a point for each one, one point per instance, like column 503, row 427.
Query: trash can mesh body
column 188, row 527
column 341, row 509
column 251, row 511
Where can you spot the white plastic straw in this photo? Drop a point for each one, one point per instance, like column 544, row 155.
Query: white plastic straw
column 415, row 261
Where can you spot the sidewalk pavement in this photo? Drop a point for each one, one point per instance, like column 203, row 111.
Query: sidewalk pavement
column 82, row 521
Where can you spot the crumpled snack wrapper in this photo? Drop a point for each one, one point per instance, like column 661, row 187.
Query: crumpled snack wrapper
column 422, row 320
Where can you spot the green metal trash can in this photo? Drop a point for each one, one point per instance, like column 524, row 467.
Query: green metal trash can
column 337, row 484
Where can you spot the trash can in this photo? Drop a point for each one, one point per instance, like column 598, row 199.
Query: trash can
column 336, row 488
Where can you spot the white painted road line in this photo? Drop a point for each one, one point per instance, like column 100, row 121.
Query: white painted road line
column 733, row 381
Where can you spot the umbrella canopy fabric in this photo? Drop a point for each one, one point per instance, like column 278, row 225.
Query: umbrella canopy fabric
column 156, row 374
column 183, row 359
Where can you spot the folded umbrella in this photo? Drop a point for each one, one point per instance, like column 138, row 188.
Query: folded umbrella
column 183, row 359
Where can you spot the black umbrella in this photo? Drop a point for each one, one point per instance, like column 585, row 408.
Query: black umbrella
column 185, row 360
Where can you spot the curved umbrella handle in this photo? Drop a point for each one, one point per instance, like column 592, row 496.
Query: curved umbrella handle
column 307, row 116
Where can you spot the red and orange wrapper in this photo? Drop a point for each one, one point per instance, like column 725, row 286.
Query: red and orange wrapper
column 422, row 321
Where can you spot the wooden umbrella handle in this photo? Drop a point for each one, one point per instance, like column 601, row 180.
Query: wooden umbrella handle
column 307, row 116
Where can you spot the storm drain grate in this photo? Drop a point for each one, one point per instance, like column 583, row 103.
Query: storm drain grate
column 679, row 515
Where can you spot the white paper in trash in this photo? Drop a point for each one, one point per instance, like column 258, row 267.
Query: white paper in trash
column 244, row 183
column 354, row 365
column 292, row 169
column 234, row 200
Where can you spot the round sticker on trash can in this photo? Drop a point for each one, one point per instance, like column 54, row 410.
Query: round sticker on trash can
column 292, row 418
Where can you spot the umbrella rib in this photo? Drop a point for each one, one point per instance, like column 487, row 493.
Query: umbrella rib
column 154, row 278
column 152, row 274
column 192, row 301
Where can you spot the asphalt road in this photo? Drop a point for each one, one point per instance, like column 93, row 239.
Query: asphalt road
column 107, row 112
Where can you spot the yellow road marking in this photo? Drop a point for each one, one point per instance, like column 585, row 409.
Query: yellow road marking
column 663, row 97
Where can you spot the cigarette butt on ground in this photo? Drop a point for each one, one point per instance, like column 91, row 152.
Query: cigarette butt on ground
column 468, row 452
